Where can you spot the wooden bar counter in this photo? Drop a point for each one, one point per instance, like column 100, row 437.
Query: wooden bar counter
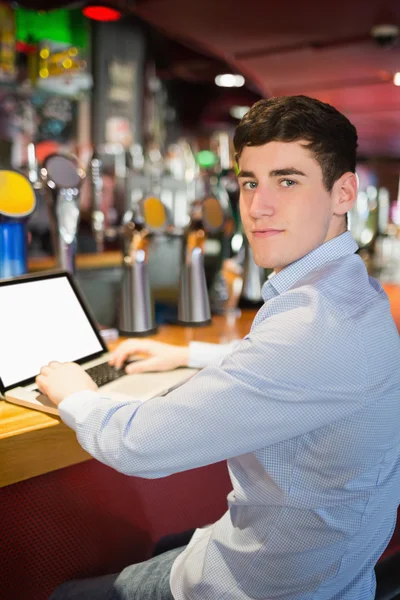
column 102, row 260
column 33, row 443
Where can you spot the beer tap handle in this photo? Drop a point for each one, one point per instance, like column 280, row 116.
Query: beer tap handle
column 33, row 170
column 67, row 211
column 97, row 182
column 98, row 217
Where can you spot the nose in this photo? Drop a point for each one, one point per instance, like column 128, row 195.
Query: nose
column 262, row 204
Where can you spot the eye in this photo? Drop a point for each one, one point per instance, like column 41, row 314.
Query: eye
column 287, row 183
column 249, row 185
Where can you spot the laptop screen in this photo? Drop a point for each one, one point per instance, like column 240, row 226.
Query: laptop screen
column 42, row 319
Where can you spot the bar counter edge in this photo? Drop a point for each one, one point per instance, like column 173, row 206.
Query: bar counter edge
column 34, row 443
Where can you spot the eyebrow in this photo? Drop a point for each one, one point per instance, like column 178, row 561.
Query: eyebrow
column 287, row 171
column 246, row 174
column 274, row 173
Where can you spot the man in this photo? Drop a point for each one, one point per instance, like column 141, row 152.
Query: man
column 308, row 401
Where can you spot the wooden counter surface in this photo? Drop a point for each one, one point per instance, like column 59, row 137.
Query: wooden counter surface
column 33, row 443
column 111, row 258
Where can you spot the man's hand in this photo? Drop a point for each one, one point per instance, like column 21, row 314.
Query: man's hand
column 159, row 356
column 59, row 380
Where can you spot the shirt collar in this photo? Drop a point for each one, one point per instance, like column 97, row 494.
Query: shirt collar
column 337, row 247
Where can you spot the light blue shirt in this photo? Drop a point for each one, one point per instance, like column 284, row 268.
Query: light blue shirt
column 306, row 408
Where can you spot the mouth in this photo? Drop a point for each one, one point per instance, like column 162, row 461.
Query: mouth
column 263, row 233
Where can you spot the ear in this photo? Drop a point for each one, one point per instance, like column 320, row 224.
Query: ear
column 345, row 191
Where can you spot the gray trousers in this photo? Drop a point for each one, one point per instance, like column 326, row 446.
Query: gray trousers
column 148, row 580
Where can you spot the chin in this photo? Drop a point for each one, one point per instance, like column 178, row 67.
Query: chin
column 265, row 262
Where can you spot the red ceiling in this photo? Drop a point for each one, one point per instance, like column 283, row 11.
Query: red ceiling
column 310, row 47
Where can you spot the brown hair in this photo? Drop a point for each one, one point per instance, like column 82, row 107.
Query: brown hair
column 329, row 134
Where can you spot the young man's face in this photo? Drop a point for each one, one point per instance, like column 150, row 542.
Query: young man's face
column 286, row 211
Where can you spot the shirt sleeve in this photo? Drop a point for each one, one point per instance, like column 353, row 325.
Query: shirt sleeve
column 202, row 354
column 295, row 372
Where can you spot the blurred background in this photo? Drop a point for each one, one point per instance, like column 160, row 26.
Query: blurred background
column 143, row 97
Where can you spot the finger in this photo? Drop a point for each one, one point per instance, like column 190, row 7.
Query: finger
column 120, row 350
column 54, row 363
column 116, row 351
column 119, row 358
column 145, row 366
column 122, row 353
column 45, row 370
column 40, row 382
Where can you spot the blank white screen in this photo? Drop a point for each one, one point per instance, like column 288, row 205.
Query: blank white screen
column 41, row 321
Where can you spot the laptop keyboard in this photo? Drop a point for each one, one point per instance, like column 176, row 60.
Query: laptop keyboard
column 105, row 373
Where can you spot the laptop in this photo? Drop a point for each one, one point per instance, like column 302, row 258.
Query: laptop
column 43, row 318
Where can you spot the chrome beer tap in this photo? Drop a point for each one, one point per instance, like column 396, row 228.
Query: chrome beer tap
column 194, row 304
column 63, row 177
column 136, row 315
column 98, row 216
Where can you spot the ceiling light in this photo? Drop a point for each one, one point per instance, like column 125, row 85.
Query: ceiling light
column 97, row 12
column 385, row 34
column 396, row 79
column 238, row 112
column 229, row 80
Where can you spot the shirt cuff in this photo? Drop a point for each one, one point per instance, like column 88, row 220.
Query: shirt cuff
column 77, row 404
column 75, row 407
column 202, row 354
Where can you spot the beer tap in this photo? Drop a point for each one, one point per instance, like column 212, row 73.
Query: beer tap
column 63, row 177
column 148, row 217
column 17, row 202
column 253, row 279
column 33, row 168
column 194, row 305
column 98, row 217
column 136, row 315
